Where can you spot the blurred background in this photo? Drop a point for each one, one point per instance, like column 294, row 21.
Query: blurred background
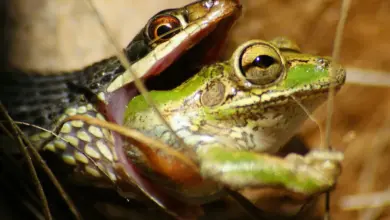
column 52, row 35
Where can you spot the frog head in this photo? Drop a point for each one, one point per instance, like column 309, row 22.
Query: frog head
column 259, row 96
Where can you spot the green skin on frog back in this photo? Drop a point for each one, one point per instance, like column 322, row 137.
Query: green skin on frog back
column 235, row 115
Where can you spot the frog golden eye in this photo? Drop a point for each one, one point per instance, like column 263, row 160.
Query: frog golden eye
column 260, row 64
column 162, row 28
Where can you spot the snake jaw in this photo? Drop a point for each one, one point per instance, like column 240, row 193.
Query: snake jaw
column 172, row 69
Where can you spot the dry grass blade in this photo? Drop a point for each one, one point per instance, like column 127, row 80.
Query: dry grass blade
column 48, row 171
column 368, row 77
column 365, row 200
column 33, row 172
column 6, row 131
column 138, row 83
column 158, row 38
column 14, row 181
column 335, row 55
column 30, row 207
column 137, row 136
column 312, row 118
column 56, row 183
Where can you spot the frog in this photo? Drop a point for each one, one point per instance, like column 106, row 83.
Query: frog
column 232, row 118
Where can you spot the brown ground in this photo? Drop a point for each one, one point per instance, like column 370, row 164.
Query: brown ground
column 361, row 117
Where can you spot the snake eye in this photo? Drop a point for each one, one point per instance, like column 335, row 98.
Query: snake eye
column 163, row 27
column 260, row 64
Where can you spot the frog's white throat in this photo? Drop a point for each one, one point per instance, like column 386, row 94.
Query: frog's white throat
column 278, row 125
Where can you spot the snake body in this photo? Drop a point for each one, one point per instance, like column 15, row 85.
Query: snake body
column 41, row 99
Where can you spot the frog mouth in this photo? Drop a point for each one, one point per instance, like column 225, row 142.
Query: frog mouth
column 300, row 96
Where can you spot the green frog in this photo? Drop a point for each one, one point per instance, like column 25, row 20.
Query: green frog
column 233, row 117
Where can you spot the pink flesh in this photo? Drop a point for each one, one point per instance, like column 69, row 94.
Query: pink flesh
column 119, row 99
column 117, row 102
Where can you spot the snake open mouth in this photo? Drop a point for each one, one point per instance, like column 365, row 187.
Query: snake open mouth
column 177, row 66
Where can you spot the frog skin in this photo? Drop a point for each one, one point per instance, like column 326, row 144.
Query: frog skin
column 233, row 117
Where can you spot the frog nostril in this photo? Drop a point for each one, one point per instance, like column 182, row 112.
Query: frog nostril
column 324, row 63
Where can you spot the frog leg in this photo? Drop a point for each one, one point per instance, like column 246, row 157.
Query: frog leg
column 311, row 174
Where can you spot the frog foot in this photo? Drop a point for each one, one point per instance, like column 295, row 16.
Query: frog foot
column 307, row 175
column 324, row 164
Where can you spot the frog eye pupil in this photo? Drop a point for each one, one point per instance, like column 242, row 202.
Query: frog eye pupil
column 261, row 68
column 263, row 61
